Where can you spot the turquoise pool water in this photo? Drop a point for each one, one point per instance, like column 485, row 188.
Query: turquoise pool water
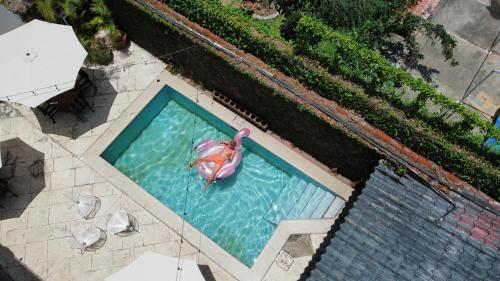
column 239, row 213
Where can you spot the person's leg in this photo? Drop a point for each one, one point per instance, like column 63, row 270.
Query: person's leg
column 200, row 160
column 211, row 177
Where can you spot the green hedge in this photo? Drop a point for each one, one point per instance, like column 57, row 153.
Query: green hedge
column 340, row 54
column 236, row 28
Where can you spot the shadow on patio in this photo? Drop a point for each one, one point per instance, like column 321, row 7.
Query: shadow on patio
column 23, row 173
column 12, row 269
column 72, row 126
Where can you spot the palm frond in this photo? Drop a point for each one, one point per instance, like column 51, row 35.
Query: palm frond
column 46, row 9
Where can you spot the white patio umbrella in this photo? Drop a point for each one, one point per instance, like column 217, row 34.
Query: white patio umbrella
column 118, row 222
column 85, row 204
column 39, row 60
column 155, row 267
column 84, row 236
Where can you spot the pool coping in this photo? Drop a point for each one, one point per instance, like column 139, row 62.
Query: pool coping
column 170, row 218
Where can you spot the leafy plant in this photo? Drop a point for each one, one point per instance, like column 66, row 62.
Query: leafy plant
column 375, row 22
column 99, row 52
column 48, row 9
column 102, row 19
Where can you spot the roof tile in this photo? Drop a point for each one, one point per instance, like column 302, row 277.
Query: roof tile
column 390, row 234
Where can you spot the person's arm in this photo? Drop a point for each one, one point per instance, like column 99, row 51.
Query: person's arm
column 233, row 153
column 222, row 142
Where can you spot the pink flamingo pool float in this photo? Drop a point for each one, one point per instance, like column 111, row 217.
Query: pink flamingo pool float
column 209, row 147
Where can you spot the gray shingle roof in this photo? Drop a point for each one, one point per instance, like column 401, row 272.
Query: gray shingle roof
column 391, row 233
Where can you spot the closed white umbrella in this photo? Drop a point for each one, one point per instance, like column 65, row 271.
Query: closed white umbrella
column 155, row 267
column 84, row 236
column 85, row 205
column 118, row 222
column 38, row 60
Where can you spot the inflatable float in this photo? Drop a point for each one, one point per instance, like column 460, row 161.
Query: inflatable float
column 209, row 147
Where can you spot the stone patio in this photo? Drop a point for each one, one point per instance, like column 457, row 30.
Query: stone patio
column 35, row 225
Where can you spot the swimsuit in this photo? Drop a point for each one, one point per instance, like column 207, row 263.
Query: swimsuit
column 217, row 159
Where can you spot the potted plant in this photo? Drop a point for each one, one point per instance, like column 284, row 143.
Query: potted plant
column 119, row 39
column 248, row 6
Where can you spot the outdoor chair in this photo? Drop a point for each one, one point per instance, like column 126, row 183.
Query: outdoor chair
column 122, row 224
column 71, row 100
column 8, row 172
column 87, row 238
column 84, row 80
column 4, row 190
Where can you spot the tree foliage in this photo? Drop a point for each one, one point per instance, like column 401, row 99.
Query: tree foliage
column 48, row 9
column 374, row 23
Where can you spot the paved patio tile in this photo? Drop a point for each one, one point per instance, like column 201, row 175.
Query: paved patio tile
column 38, row 216
column 40, row 198
column 38, row 233
column 133, row 241
column 62, row 179
column 102, row 189
column 170, row 248
column 10, row 255
column 13, row 237
column 59, row 230
column 101, row 260
column 122, row 257
column 58, row 269
column 39, row 269
column 113, row 242
column 223, row 276
column 138, row 251
column 57, row 250
column 62, row 213
column 17, row 219
column 80, row 263
column 84, row 175
column 98, row 275
column 20, row 185
column 36, row 252
column 155, row 233
column 63, row 163
column 40, row 183
column 16, row 203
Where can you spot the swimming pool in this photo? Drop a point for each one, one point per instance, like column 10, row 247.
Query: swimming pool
column 239, row 213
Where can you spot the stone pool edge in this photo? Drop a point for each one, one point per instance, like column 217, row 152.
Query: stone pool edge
column 202, row 243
